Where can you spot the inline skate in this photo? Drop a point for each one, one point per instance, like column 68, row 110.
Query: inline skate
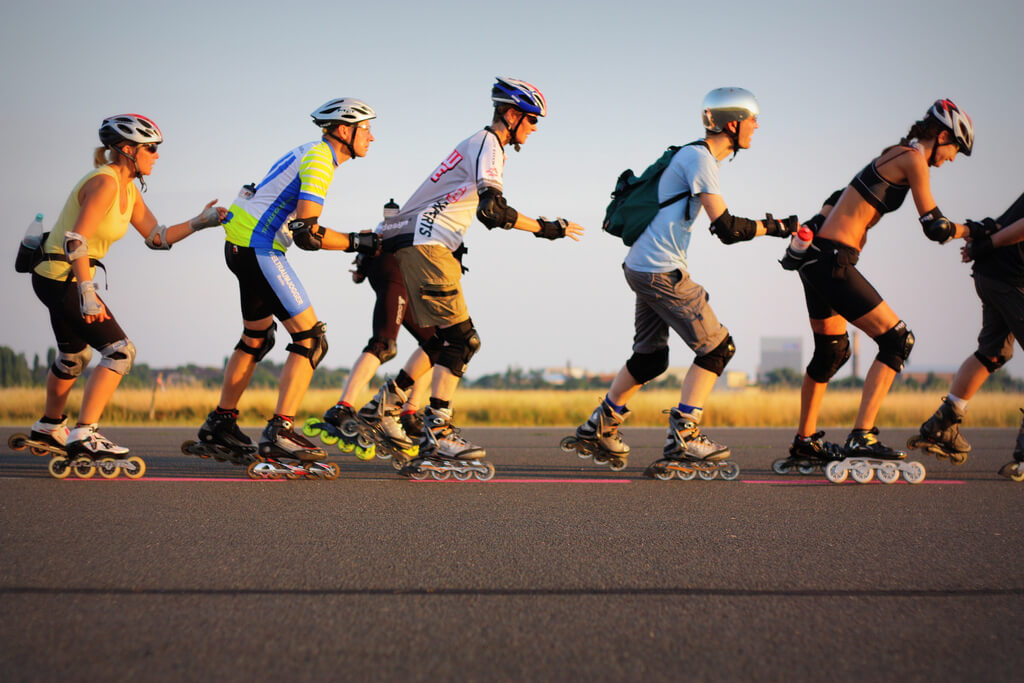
column 45, row 438
column 443, row 452
column 221, row 439
column 599, row 438
column 808, row 453
column 287, row 454
column 688, row 453
column 89, row 452
column 338, row 427
column 940, row 434
column 866, row 457
column 379, row 421
column 1015, row 470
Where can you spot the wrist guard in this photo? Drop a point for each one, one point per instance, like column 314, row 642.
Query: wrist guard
column 730, row 229
column 979, row 229
column 551, row 230
column 307, row 233
column 978, row 249
column 937, row 227
column 207, row 219
column 833, row 198
column 364, row 243
column 784, row 228
column 494, row 212
column 88, row 301
column 815, row 222
column 161, row 232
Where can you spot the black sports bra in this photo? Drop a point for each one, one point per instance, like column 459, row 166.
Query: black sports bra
column 877, row 191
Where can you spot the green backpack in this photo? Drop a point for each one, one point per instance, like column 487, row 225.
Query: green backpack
column 635, row 202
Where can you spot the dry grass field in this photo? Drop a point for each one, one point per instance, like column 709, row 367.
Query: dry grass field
column 748, row 408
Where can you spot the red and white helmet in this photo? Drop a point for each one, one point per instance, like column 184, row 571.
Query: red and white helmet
column 133, row 128
column 956, row 121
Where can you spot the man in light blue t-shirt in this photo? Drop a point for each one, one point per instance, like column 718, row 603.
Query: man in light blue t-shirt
column 666, row 297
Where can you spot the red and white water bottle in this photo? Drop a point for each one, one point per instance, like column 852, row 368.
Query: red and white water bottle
column 801, row 240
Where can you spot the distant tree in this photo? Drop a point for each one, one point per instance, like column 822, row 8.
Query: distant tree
column 14, row 370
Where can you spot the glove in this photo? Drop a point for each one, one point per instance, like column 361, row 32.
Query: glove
column 364, row 243
column 207, row 219
column 784, row 228
column 979, row 249
column 359, row 272
column 88, row 302
column 982, row 228
column 552, row 230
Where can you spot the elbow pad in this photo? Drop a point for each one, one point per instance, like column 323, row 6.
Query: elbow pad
column 731, row 229
column 75, row 246
column 306, row 233
column 161, row 232
column 494, row 212
column 937, row 227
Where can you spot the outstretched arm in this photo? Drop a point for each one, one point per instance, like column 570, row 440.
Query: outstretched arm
column 162, row 237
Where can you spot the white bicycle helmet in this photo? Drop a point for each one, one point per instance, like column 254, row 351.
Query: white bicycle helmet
column 133, row 128
column 345, row 110
column 723, row 105
column 956, row 121
column 520, row 95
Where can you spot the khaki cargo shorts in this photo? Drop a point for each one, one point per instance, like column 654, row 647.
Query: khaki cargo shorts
column 433, row 279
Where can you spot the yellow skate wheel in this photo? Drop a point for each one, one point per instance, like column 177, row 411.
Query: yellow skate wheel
column 60, row 467
column 328, row 438
column 308, row 429
column 332, row 471
column 365, row 453
column 83, row 467
column 107, row 468
column 137, row 469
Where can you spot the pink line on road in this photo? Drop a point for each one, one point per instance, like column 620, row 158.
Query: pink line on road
column 806, row 482
column 153, row 479
column 502, row 480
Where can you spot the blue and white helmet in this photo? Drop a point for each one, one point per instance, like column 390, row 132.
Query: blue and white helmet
column 344, row 110
column 519, row 94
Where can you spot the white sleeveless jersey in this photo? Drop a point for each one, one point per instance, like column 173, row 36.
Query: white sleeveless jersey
column 442, row 208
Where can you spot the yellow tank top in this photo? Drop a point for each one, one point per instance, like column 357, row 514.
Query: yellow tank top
column 111, row 227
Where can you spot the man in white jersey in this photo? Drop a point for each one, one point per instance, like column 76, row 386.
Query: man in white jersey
column 666, row 297
column 265, row 219
column 423, row 235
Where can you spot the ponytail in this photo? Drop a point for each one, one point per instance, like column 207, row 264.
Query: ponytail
column 925, row 129
column 100, row 157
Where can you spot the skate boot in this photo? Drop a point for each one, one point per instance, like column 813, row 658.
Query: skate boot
column 339, row 426
column 412, row 423
column 289, row 454
column 89, row 452
column 221, row 439
column 379, row 422
column 940, row 434
column 1015, row 470
column 689, row 453
column 864, row 456
column 46, row 437
column 599, row 438
column 808, row 453
column 443, row 452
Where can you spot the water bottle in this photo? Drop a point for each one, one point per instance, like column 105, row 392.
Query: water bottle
column 25, row 259
column 391, row 209
column 801, row 240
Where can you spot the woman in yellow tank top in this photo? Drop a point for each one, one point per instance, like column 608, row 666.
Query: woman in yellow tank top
column 97, row 213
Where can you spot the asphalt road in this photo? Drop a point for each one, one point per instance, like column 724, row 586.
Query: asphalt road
column 557, row 569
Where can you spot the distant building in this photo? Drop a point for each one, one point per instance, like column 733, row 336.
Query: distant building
column 781, row 352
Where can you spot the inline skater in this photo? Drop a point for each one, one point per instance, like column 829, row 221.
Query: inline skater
column 424, row 234
column 97, row 213
column 396, row 427
column 995, row 247
column 265, row 219
column 837, row 293
column 666, row 298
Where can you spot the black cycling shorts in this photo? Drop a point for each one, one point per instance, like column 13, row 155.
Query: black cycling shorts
column 71, row 331
column 832, row 284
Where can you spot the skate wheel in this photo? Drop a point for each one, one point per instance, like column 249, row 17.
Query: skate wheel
column 365, row 453
column 297, row 474
column 568, row 444
column 660, row 473
column 350, row 428
column 17, row 442
column 462, row 475
column 83, row 468
column 836, row 472
column 35, row 450
column 332, row 472
column 398, row 462
column 363, row 441
column 1018, row 475
column 730, row 471
column 327, row 438
column 137, row 469
column 419, row 474
column 107, row 468
column 805, row 469
column 888, row 473
column 914, row 473
column 187, row 446
column 707, row 475
column 600, row 459
column 781, row 466
column 59, row 467
column 309, row 427
column 617, row 464
column 440, row 475
column 488, row 474
column 862, row 473
column 686, row 473
column 253, row 470
column 958, row 458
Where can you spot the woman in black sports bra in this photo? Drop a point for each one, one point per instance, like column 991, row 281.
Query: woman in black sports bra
column 837, row 293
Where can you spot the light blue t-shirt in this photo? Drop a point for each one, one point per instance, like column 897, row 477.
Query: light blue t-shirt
column 662, row 246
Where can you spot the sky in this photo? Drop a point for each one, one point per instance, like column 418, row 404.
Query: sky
column 231, row 84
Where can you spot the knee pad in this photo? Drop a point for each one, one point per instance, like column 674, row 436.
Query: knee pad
column 987, row 362
column 716, row 359
column 258, row 352
column 118, row 356
column 831, row 351
column 316, row 352
column 432, row 347
column 385, row 349
column 894, row 346
column 71, row 365
column 646, row 366
column 460, row 344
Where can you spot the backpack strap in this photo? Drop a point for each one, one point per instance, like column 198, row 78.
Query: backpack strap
column 672, row 200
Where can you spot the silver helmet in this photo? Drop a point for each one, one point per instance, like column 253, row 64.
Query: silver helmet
column 133, row 128
column 723, row 105
column 956, row 121
column 343, row 110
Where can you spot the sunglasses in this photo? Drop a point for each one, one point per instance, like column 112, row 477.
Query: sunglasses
column 149, row 148
column 532, row 119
